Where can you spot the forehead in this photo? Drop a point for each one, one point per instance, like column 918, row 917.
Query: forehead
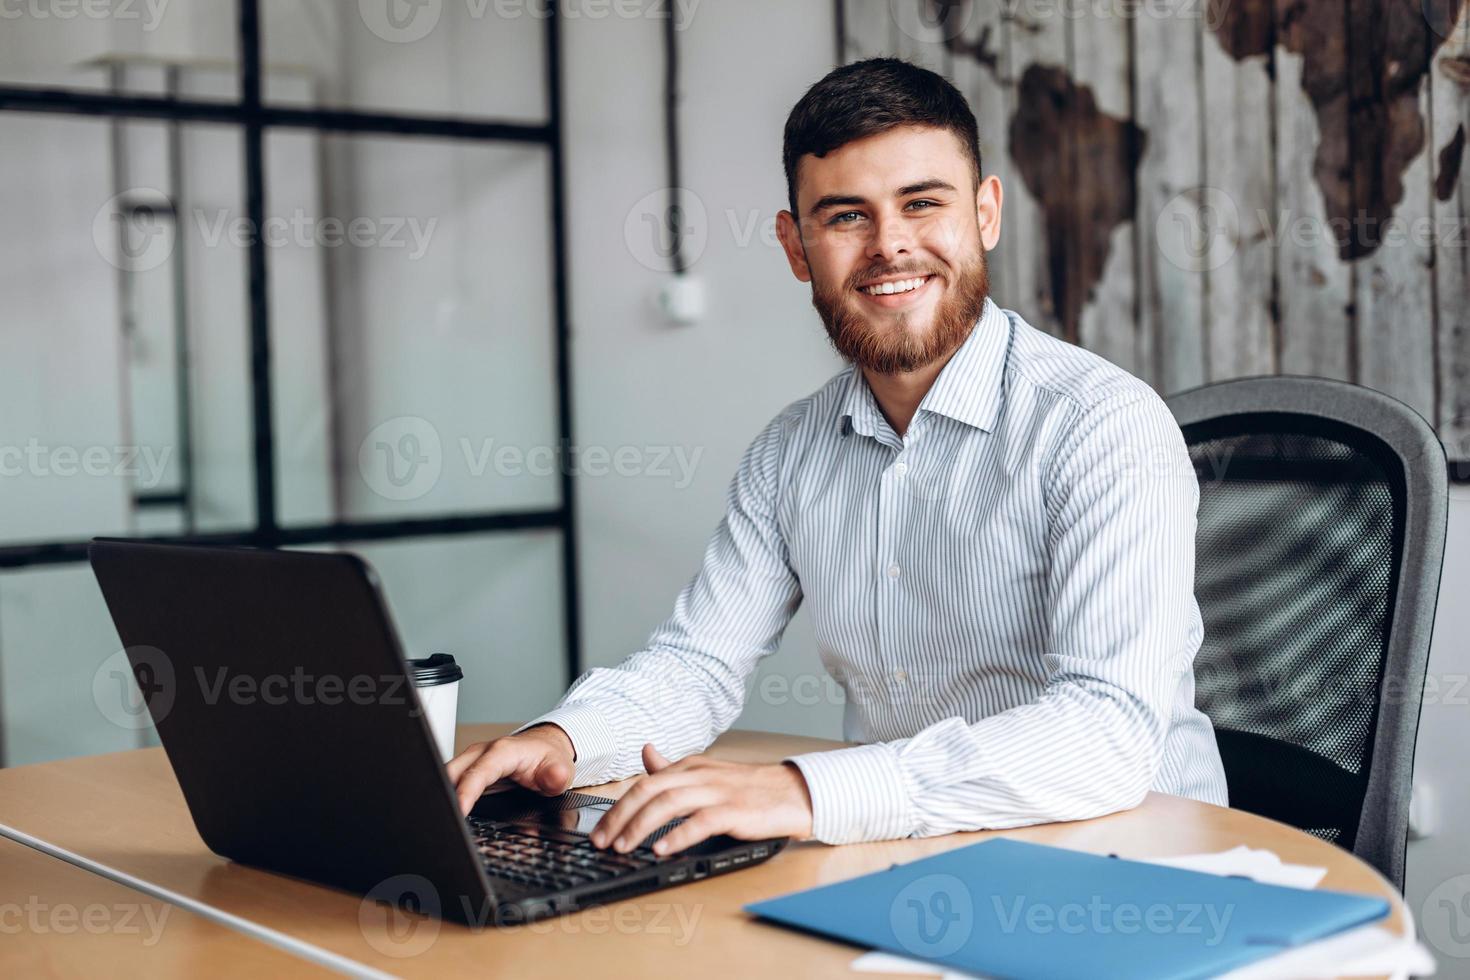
column 880, row 164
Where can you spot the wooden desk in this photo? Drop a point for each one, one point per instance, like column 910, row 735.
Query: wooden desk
column 61, row 921
column 125, row 810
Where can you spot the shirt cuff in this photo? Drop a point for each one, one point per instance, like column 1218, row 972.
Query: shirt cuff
column 858, row 794
column 593, row 744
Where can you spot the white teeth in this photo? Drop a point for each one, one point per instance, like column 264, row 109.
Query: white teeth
column 888, row 288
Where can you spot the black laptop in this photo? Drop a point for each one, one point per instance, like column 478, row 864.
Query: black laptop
column 279, row 690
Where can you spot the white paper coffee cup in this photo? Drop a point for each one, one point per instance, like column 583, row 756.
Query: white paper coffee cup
column 436, row 678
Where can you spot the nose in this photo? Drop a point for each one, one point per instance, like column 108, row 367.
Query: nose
column 891, row 238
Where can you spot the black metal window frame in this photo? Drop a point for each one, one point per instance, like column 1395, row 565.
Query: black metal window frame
column 253, row 117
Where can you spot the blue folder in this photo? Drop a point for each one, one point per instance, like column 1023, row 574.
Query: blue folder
column 1004, row 909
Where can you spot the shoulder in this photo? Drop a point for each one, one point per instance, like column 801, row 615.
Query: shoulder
column 1063, row 378
column 1087, row 416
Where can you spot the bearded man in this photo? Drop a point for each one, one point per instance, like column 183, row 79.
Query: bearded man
column 994, row 530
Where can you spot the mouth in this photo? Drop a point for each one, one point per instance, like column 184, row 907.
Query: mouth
column 897, row 292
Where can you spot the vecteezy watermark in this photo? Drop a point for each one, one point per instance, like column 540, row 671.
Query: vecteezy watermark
column 933, row 916
column 139, row 686
column 658, row 220
column 135, row 230
column 1098, row 916
column 1200, row 229
column 897, row 687
column 1444, row 917
column 677, row 920
column 142, row 464
column 150, row 12
column 406, row 21
column 138, row 230
column 37, row 917
column 304, row 687
column 1450, row 19
column 134, row 686
column 926, row 21
column 403, row 459
column 399, row 916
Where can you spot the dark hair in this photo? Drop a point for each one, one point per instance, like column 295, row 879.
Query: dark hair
column 870, row 97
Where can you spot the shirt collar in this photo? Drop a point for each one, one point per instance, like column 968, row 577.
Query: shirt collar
column 969, row 388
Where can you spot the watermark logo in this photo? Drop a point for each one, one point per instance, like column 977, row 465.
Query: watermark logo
column 649, row 229
column 1450, row 19
column 135, row 230
column 134, row 686
column 402, row 458
column 399, row 916
column 933, row 916
column 922, row 20
column 400, row 21
column 1445, row 917
column 1197, row 229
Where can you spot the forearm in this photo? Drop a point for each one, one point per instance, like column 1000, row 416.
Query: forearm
column 678, row 700
column 1080, row 751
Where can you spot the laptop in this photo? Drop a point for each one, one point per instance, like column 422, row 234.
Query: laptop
column 278, row 687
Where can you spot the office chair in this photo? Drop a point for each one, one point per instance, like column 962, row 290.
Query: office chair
column 1320, row 538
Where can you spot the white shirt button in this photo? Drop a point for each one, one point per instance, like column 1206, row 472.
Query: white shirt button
column 894, row 571
column 900, row 675
column 899, row 469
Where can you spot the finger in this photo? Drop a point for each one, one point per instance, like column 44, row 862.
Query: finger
column 553, row 777
column 653, row 760
column 666, row 806
column 500, row 760
column 456, row 766
column 701, row 825
column 617, row 816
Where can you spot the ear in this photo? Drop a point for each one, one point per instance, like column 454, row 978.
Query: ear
column 790, row 236
column 988, row 200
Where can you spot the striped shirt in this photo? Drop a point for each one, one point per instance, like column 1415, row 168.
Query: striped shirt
column 1005, row 594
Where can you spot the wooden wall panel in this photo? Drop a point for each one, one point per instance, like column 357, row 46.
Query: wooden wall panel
column 976, row 50
column 1236, row 58
column 1167, row 104
column 1314, row 286
column 1034, row 36
column 869, row 30
column 1449, row 82
column 1101, row 60
column 1394, row 295
column 1299, row 200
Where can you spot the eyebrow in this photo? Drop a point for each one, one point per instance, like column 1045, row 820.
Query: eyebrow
column 846, row 200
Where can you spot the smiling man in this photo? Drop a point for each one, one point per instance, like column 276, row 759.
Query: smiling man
column 994, row 530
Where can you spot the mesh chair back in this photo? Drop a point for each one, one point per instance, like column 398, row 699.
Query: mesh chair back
column 1320, row 539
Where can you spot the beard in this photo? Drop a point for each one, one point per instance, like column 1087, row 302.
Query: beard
column 885, row 343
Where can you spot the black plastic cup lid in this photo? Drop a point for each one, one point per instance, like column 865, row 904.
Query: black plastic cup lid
column 433, row 670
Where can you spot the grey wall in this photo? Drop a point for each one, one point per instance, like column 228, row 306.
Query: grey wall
column 701, row 390
column 705, row 389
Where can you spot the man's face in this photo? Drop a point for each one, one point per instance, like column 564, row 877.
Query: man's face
column 898, row 208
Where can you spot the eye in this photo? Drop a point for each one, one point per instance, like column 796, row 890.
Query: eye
column 933, row 204
column 837, row 219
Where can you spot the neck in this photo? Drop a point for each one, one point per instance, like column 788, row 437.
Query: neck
column 899, row 394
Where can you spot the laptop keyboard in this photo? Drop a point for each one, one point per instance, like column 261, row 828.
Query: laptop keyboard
column 547, row 858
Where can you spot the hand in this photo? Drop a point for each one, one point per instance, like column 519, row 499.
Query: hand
column 751, row 802
column 540, row 758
